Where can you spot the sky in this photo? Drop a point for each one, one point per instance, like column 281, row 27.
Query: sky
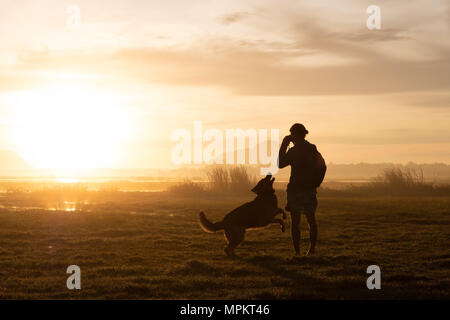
column 111, row 92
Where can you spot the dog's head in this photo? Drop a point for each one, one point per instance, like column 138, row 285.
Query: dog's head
column 264, row 186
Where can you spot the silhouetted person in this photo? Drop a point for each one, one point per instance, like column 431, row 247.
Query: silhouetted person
column 307, row 172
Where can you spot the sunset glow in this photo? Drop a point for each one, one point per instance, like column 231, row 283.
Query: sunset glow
column 69, row 127
column 90, row 87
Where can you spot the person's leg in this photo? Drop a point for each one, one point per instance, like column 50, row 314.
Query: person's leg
column 295, row 231
column 310, row 213
column 279, row 210
column 280, row 222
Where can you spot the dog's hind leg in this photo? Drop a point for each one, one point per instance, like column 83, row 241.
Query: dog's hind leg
column 234, row 236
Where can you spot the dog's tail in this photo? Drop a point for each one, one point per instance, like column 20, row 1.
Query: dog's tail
column 208, row 226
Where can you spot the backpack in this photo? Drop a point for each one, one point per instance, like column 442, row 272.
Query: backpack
column 319, row 169
column 316, row 167
column 311, row 167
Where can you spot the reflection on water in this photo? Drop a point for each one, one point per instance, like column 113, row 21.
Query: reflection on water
column 70, row 206
column 66, row 180
column 69, row 194
column 104, row 184
column 143, row 213
column 66, row 206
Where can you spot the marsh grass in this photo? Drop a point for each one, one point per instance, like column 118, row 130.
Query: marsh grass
column 229, row 180
column 396, row 182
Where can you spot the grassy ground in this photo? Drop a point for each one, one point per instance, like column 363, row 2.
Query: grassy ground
column 149, row 246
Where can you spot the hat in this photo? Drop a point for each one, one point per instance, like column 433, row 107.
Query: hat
column 298, row 129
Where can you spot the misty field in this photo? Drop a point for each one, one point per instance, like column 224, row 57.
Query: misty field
column 148, row 245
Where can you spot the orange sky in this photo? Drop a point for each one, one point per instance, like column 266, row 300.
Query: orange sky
column 110, row 93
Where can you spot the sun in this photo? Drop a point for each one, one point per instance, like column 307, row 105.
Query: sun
column 70, row 127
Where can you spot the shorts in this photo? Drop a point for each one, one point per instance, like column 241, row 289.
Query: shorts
column 301, row 201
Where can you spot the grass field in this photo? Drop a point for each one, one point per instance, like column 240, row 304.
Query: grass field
column 150, row 246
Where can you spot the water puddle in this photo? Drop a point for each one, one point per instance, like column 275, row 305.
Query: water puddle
column 66, row 206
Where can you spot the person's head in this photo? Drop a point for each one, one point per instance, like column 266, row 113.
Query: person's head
column 298, row 132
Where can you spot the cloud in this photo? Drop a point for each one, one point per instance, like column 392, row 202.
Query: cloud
column 230, row 18
column 383, row 35
column 437, row 100
column 244, row 71
column 405, row 137
column 347, row 61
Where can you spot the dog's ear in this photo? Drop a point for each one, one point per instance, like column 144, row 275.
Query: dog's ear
column 273, row 179
column 256, row 188
column 268, row 176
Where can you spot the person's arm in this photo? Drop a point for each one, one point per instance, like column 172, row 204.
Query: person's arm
column 283, row 159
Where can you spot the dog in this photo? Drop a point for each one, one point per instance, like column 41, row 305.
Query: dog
column 258, row 213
